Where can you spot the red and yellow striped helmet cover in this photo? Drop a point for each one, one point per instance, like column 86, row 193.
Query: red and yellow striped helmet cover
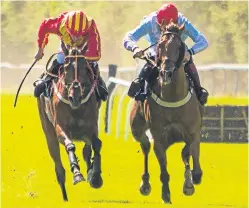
column 77, row 23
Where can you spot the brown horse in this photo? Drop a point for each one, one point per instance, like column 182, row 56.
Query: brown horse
column 72, row 114
column 172, row 113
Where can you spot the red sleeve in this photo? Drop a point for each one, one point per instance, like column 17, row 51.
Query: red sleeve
column 50, row 25
column 93, row 52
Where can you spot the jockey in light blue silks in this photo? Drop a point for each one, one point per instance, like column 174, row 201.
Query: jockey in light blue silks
column 151, row 27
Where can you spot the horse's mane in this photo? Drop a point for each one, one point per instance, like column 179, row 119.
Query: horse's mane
column 172, row 27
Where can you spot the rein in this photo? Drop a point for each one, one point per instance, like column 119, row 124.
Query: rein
column 48, row 62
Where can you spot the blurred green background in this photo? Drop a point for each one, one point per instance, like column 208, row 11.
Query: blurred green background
column 225, row 24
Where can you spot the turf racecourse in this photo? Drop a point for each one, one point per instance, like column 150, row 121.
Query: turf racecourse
column 28, row 178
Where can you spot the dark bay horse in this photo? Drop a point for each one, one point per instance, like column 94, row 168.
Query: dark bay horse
column 72, row 114
column 172, row 113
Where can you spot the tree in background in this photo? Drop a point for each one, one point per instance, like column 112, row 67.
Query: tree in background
column 225, row 24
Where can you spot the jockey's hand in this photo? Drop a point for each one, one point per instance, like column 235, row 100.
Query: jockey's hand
column 187, row 57
column 138, row 53
column 39, row 54
column 147, row 55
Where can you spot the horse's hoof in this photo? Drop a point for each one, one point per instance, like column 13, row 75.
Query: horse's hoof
column 166, row 198
column 78, row 177
column 196, row 178
column 96, row 181
column 188, row 188
column 145, row 189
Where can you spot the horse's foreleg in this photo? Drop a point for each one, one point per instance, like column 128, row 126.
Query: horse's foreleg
column 159, row 150
column 138, row 127
column 94, row 174
column 195, row 152
column 53, row 147
column 70, row 148
column 145, row 187
column 188, row 187
column 87, row 153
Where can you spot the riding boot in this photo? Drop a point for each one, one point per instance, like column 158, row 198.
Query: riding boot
column 43, row 82
column 202, row 93
column 139, row 88
column 101, row 89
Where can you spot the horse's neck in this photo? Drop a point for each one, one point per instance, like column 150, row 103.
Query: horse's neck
column 177, row 89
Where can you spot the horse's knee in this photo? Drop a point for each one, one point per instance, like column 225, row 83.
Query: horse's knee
column 97, row 144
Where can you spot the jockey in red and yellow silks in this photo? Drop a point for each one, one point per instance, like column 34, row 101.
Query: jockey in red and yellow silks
column 74, row 29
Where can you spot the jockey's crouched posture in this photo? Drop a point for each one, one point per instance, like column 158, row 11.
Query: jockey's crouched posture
column 74, row 29
column 151, row 27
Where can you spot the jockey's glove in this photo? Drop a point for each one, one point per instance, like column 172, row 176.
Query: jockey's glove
column 138, row 53
column 39, row 54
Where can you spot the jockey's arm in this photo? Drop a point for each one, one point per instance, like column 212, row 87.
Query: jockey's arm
column 198, row 38
column 134, row 35
column 48, row 26
column 93, row 52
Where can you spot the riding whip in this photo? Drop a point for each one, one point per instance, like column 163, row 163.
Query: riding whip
column 19, row 88
column 149, row 47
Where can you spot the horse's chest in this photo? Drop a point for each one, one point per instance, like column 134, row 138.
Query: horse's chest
column 78, row 129
column 76, row 123
column 165, row 115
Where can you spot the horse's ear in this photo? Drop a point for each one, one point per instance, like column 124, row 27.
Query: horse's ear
column 64, row 48
column 181, row 28
column 84, row 48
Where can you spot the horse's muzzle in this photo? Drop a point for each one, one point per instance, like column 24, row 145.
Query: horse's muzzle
column 75, row 95
column 75, row 102
column 166, row 77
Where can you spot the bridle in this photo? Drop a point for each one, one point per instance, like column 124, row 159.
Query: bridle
column 75, row 84
column 176, row 65
column 179, row 62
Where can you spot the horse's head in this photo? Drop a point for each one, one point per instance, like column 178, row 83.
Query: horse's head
column 170, row 52
column 76, row 76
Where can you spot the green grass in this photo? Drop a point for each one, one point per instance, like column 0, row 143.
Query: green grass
column 28, row 178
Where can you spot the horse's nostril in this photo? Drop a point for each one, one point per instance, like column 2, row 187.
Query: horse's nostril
column 170, row 74
column 70, row 98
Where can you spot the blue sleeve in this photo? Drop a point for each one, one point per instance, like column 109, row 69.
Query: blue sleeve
column 134, row 35
column 199, row 39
